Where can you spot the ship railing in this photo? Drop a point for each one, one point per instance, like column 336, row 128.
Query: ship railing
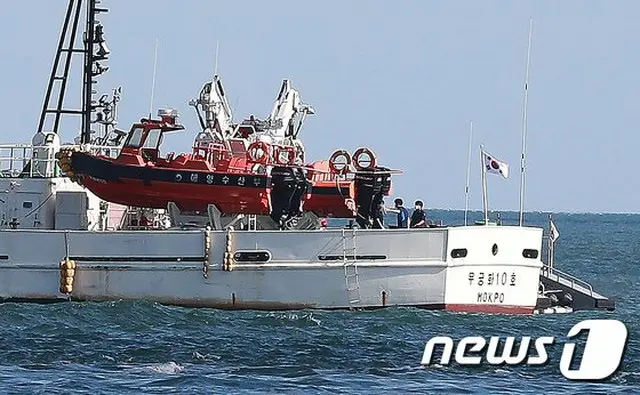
column 549, row 270
column 566, row 278
column 29, row 161
column 111, row 151
column 211, row 152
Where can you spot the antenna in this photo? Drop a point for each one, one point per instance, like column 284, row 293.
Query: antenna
column 153, row 78
column 466, row 189
column 524, row 126
column 215, row 70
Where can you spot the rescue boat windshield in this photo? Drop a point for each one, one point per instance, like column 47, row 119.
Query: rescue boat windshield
column 145, row 138
column 134, row 140
column 154, row 137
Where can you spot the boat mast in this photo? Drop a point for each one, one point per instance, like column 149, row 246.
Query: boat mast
column 66, row 48
column 58, row 79
column 466, row 188
column 87, row 84
column 524, row 129
column 94, row 35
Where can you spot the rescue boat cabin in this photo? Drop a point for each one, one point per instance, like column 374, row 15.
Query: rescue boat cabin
column 142, row 145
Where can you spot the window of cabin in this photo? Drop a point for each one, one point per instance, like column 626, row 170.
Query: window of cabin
column 135, row 138
column 153, row 139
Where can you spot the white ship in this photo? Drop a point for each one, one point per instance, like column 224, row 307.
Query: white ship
column 59, row 241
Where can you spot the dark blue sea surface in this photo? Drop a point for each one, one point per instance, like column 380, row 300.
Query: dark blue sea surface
column 141, row 347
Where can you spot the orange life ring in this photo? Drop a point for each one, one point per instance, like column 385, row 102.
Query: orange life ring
column 252, row 152
column 339, row 168
column 357, row 159
column 290, row 158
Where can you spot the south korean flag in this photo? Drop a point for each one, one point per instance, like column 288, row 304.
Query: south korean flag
column 553, row 231
column 495, row 166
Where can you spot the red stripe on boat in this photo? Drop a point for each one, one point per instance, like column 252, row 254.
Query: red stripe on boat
column 491, row 309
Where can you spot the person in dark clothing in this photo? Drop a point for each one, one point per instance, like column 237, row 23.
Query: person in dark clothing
column 418, row 217
column 402, row 213
column 378, row 215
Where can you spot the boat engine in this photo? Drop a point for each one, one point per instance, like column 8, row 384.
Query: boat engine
column 371, row 187
column 288, row 187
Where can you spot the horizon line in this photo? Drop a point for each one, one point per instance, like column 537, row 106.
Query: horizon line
column 538, row 211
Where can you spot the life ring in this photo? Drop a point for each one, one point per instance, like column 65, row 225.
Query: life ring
column 255, row 148
column 357, row 159
column 338, row 167
column 290, row 157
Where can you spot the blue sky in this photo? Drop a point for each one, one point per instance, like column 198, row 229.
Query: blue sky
column 403, row 77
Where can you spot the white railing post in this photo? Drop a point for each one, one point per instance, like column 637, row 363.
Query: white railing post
column 21, row 155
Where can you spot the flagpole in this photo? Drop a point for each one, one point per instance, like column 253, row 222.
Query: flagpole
column 485, row 203
column 524, row 126
column 466, row 189
column 550, row 244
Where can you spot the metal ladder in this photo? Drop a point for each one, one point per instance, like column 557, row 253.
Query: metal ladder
column 350, row 266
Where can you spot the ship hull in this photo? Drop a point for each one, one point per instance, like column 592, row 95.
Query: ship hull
column 155, row 187
column 304, row 269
